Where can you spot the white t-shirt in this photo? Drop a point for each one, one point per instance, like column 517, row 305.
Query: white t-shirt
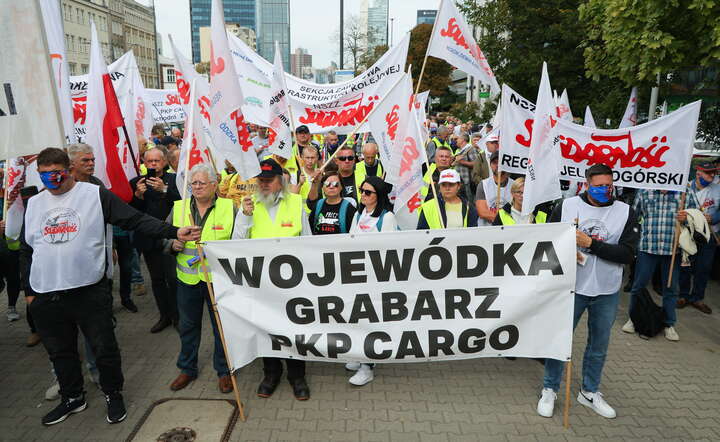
column 365, row 223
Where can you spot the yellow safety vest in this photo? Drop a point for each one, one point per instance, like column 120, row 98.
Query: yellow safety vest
column 507, row 220
column 12, row 244
column 428, row 179
column 288, row 219
column 291, row 165
column 439, row 144
column 218, row 226
column 432, row 215
column 361, row 174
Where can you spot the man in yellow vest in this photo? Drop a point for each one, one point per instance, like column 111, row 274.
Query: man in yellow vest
column 274, row 212
column 216, row 217
column 369, row 166
column 443, row 161
column 439, row 140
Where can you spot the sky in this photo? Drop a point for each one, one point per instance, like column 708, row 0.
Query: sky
column 313, row 24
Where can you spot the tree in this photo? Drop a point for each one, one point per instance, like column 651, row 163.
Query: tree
column 465, row 111
column 437, row 72
column 636, row 41
column 709, row 126
column 518, row 35
column 354, row 41
column 371, row 56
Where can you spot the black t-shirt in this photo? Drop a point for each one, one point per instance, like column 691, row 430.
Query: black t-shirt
column 329, row 220
column 371, row 170
column 349, row 187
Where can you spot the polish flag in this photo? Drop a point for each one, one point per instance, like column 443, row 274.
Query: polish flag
column 104, row 123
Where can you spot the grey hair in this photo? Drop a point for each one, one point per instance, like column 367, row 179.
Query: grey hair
column 204, row 168
column 443, row 130
column 158, row 147
column 464, row 136
column 76, row 149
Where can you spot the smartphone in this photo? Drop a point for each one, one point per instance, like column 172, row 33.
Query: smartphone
column 150, row 173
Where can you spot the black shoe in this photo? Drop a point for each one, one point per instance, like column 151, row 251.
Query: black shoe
column 64, row 409
column 267, row 386
column 161, row 325
column 300, row 389
column 115, row 408
column 128, row 304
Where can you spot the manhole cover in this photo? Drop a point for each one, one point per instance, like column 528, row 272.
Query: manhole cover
column 180, row 434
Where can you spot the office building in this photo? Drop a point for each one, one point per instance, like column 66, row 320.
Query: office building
column 241, row 12
column 426, row 16
column 300, row 60
column 377, row 22
column 273, row 24
column 247, row 35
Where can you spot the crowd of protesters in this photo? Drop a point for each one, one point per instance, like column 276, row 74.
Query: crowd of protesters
column 332, row 184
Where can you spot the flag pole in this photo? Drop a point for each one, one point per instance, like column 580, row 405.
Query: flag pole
column 191, row 117
column 676, row 240
column 130, row 148
column 566, row 406
column 167, row 125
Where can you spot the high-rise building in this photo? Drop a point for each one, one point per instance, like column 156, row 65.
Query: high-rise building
column 300, row 60
column 247, row 35
column 426, row 16
column 273, row 24
column 241, row 12
column 377, row 23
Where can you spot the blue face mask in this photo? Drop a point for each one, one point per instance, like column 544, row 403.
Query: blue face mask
column 53, row 178
column 704, row 182
column 600, row 194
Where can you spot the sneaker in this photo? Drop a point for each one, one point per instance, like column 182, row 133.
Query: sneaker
column 52, row 393
column 66, row 407
column 671, row 334
column 12, row 314
column 115, row 408
column 546, row 404
column 596, row 403
column 138, row 289
column 129, row 305
column 628, row 327
column 352, row 366
column 363, row 376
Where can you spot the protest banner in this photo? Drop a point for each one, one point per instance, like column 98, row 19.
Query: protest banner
column 412, row 296
column 517, row 115
column 165, row 106
column 321, row 107
column 27, row 87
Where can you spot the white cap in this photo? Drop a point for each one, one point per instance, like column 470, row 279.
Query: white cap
column 492, row 138
column 449, row 176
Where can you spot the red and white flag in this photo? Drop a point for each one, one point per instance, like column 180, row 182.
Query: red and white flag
column 410, row 153
column 280, row 121
column 420, row 105
column 194, row 147
column 453, row 42
column 563, row 107
column 589, row 120
column 104, row 123
column 542, row 181
column 630, row 117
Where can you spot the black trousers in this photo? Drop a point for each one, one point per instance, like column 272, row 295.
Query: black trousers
column 10, row 272
column 273, row 368
column 58, row 315
column 125, row 254
column 164, row 282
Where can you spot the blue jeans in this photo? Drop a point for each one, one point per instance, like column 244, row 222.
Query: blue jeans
column 190, row 300
column 137, row 277
column 644, row 269
column 601, row 316
column 698, row 274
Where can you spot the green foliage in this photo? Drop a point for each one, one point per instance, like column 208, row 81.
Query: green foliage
column 465, row 111
column 520, row 34
column 437, row 72
column 371, row 56
column 709, row 126
column 633, row 41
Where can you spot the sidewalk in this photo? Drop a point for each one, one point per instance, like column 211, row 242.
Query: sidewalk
column 660, row 389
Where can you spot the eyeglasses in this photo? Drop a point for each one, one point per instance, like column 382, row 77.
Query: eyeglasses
column 199, row 183
column 332, row 184
column 367, row 192
column 351, row 158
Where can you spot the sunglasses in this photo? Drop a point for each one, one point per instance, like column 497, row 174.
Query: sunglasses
column 332, row 184
column 346, row 158
column 367, row 192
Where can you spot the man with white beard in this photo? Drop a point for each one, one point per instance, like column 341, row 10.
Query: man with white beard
column 274, row 212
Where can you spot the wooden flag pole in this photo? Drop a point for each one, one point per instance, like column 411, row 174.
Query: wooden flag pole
column 676, row 240
column 566, row 408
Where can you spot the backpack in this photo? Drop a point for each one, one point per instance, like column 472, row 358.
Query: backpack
column 379, row 224
column 342, row 215
column 647, row 317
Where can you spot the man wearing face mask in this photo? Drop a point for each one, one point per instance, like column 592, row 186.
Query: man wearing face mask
column 606, row 236
column 330, row 145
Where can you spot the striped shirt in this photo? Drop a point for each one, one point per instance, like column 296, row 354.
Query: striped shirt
column 656, row 211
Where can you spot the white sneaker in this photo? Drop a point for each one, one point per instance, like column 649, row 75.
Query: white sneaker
column 12, row 314
column 628, row 327
column 596, row 403
column 352, row 366
column 671, row 334
column 546, row 404
column 363, row 376
column 53, row 393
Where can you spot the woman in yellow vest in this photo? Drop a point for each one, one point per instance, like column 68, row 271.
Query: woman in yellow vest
column 216, row 217
column 453, row 209
column 511, row 213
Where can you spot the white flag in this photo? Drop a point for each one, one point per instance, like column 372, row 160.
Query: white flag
column 542, row 182
column 281, row 141
column 409, row 156
column 453, row 42
column 630, row 117
column 56, row 44
column 563, row 107
column 420, row 105
column 664, row 109
column 589, row 120
column 29, row 117
column 194, row 147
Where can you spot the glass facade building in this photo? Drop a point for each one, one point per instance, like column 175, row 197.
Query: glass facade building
column 241, row 12
column 426, row 16
column 273, row 24
column 377, row 23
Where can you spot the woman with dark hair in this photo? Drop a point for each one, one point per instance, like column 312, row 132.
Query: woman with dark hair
column 374, row 215
column 333, row 213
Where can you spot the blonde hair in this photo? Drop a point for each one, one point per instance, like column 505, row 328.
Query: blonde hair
column 517, row 184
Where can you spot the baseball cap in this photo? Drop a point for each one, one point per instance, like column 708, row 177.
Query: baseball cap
column 269, row 169
column 449, row 176
column 166, row 141
column 302, row 130
column 707, row 166
column 492, row 138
